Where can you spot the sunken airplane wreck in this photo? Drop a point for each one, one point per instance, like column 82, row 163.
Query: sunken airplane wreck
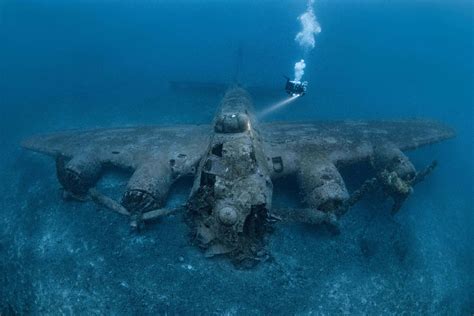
column 234, row 162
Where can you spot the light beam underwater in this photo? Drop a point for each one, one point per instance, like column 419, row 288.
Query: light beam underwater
column 278, row 105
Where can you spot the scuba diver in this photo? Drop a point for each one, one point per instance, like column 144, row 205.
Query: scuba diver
column 295, row 88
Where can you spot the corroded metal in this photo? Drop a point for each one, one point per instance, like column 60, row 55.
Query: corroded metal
column 234, row 162
column 235, row 175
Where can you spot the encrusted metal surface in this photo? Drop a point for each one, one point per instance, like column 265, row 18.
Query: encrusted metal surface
column 234, row 161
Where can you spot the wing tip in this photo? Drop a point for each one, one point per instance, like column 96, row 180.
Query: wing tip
column 28, row 143
column 435, row 132
column 37, row 144
column 445, row 131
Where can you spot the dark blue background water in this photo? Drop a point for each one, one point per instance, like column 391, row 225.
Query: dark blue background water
column 85, row 64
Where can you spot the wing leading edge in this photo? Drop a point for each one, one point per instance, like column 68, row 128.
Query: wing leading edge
column 125, row 147
column 351, row 141
column 312, row 151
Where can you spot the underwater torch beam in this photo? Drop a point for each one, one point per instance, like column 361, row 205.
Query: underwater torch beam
column 278, row 105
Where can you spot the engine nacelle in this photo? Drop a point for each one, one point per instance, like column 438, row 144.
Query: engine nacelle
column 322, row 185
column 392, row 159
column 79, row 174
column 148, row 187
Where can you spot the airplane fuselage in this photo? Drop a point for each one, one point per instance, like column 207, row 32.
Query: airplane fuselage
column 233, row 162
column 232, row 191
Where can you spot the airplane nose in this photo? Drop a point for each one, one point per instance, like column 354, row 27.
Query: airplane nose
column 227, row 215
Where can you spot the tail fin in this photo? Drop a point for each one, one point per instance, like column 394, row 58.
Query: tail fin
column 220, row 87
column 236, row 80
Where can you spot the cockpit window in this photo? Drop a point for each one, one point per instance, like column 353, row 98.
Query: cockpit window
column 217, row 150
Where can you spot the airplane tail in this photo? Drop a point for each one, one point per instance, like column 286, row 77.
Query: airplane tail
column 197, row 87
column 213, row 87
column 236, row 80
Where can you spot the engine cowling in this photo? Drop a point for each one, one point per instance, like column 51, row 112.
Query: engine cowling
column 392, row 159
column 148, row 187
column 322, row 185
column 79, row 174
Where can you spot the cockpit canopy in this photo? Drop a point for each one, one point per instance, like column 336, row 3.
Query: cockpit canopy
column 229, row 123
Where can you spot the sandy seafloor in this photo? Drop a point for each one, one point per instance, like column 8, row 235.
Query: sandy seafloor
column 62, row 257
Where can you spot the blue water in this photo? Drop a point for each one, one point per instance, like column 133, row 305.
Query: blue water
column 86, row 64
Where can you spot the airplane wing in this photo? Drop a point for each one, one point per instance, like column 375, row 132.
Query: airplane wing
column 342, row 142
column 346, row 142
column 127, row 147
column 160, row 155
